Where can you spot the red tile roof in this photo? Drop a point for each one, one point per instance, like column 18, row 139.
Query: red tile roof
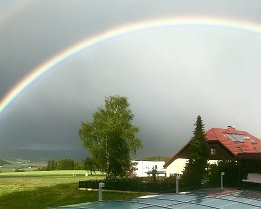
column 249, row 148
column 250, row 144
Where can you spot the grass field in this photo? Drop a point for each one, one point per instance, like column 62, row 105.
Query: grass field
column 42, row 189
column 46, row 173
column 25, row 181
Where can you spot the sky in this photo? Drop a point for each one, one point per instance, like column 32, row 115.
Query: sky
column 170, row 74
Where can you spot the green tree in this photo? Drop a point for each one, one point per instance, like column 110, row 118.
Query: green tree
column 65, row 164
column 79, row 165
column 230, row 167
column 52, row 165
column 111, row 137
column 195, row 169
column 90, row 164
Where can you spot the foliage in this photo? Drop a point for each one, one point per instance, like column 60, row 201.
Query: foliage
column 64, row 164
column 79, row 165
column 90, row 164
column 52, row 165
column 119, row 156
column 195, row 169
column 135, row 184
column 111, row 137
column 231, row 169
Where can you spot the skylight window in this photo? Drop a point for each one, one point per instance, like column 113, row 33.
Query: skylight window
column 236, row 137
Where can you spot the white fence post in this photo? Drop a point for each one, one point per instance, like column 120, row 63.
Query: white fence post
column 177, row 183
column 101, row 185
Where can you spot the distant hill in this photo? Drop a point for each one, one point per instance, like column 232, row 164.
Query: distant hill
column 156, row 158
column 2, row 162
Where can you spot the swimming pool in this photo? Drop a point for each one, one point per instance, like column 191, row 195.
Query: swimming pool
column 233, row 200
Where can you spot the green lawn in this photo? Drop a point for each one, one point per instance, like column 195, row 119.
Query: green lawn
column 41, row 189
column 46, row 173
column 25, row 181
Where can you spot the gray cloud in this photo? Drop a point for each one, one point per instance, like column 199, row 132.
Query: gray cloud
column 170, row 75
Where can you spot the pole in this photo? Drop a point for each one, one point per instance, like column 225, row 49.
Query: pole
column 101, row 185
column 221, row 176
column 177, row 183
column 239, row 172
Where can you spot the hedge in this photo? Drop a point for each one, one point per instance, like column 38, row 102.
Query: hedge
column 131, row 185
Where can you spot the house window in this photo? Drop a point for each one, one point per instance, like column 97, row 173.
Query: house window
column 212, row 151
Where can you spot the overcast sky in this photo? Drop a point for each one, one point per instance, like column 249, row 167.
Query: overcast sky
column 170, row 75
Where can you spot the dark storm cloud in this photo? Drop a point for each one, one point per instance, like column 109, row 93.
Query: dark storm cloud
column 169, row 75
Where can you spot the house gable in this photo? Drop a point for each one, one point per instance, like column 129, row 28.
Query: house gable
column 236, row 141
column 225, row 144
column 219, row 152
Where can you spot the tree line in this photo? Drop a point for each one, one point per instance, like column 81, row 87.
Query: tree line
column 64, row 164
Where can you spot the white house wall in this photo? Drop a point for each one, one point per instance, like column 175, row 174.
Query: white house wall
column 178, row 166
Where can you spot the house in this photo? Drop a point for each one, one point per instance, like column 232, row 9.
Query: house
column 227, row 144
column 176, row 167
column 144, row 168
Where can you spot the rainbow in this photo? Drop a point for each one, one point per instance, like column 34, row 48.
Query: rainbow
column 36, row 73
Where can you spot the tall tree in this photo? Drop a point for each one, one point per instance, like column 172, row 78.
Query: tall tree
column 90, row 164
column 195, row 169
column 111, row 138
column 65, row 164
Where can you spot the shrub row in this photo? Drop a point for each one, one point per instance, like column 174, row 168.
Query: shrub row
column 131, row 185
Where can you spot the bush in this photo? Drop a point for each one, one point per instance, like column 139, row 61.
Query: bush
column 134, row 184
column 230, row 178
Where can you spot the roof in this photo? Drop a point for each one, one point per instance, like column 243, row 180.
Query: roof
column 239, row 143
column 245, row 143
